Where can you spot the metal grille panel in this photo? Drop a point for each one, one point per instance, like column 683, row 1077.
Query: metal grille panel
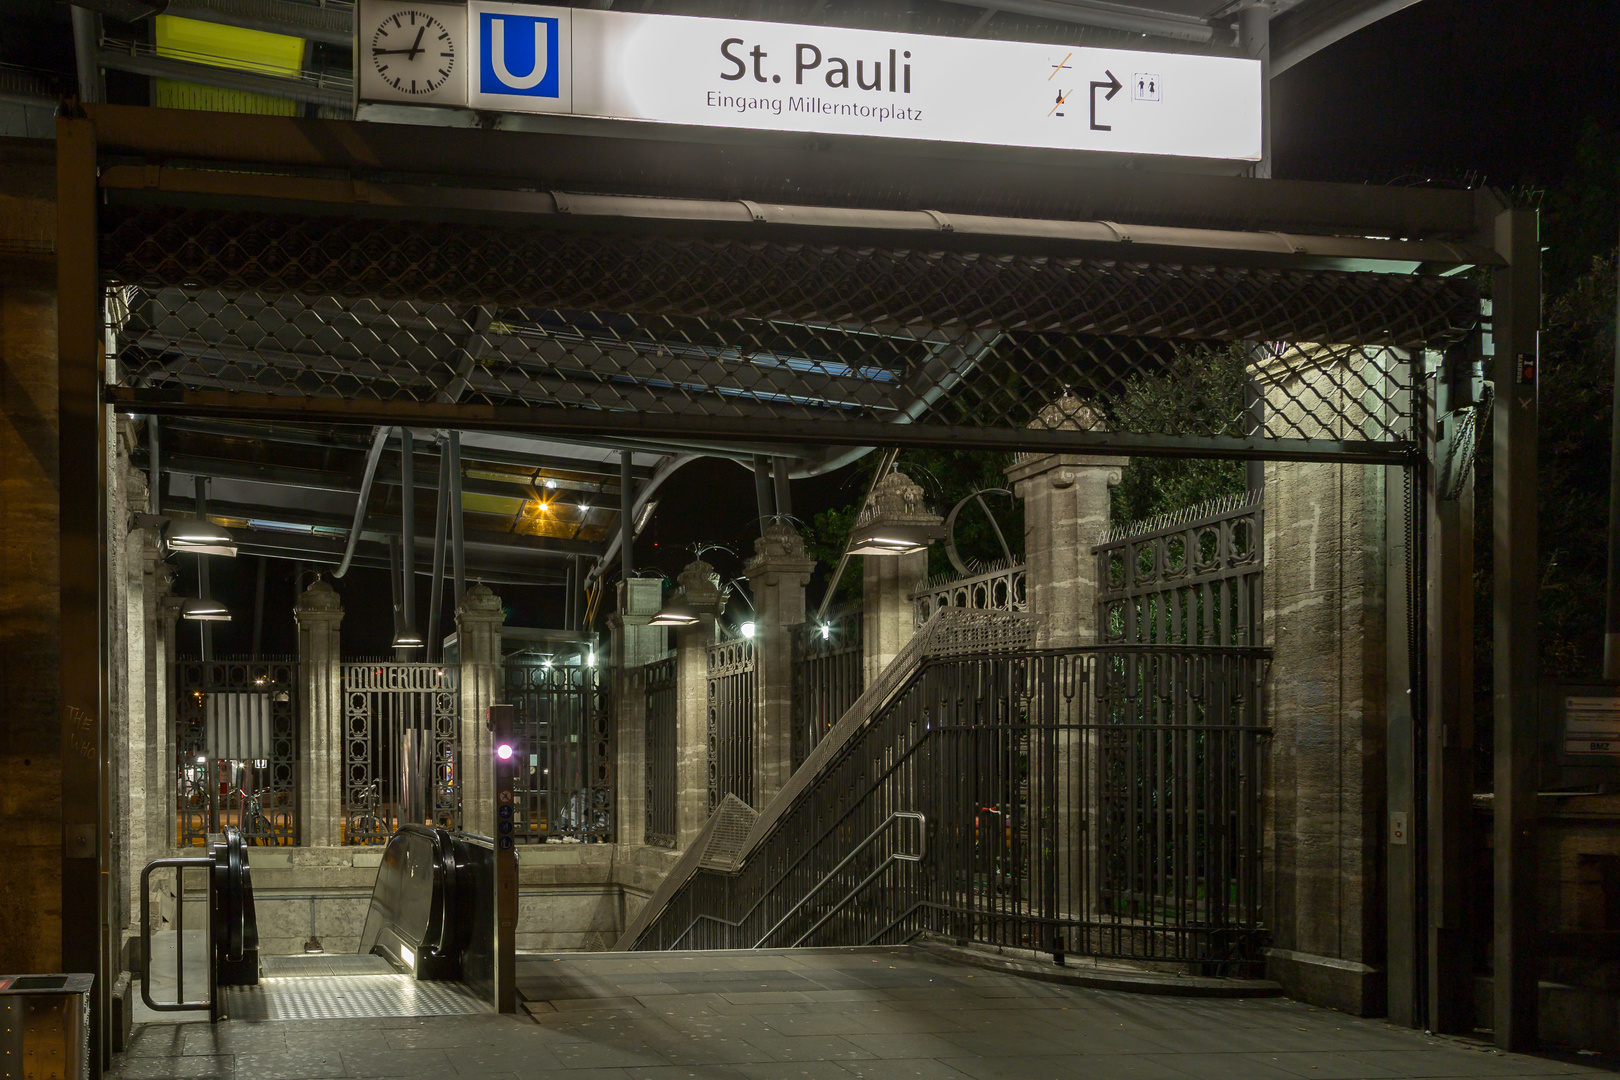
column 1007, row 757
column 727, row 330
column 733, row 708
column 236, row 737
column 662, row 751
column 402, row 727
column 562, row 726
column 829, row 673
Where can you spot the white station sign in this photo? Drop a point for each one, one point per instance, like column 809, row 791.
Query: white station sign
column 667, row 69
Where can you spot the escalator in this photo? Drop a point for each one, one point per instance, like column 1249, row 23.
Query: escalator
column 427, row 948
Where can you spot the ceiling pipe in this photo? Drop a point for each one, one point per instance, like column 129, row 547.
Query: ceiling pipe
column 378, row 440
column 665, row 470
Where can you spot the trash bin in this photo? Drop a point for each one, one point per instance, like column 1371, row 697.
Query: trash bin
column 45, row 1027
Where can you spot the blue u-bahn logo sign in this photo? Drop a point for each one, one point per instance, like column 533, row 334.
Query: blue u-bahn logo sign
column 520, row 55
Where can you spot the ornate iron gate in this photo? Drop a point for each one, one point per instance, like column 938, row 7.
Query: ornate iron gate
column 662, row 736
column 402, row 748
column 733, row 708
column 1187, row 578
column 565, row 742
column 236, row 739
column 829, row 673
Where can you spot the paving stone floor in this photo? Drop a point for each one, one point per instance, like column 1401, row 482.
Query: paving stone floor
column 882, row 1014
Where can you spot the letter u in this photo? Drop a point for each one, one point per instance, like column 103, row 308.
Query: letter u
column 877, row 75
column 497, row 55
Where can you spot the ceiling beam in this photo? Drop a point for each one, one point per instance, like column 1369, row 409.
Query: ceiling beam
column 1307, row 29
column 378, row 527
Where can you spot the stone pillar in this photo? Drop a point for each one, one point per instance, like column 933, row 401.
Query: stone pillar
column 700, row 588
column 777, row 575
column 118, row 663
column 1066, row 512
column 141, row 743
column 321, row 737
column 161, row 768
column 1324, row 619
column 887, row 581
column 167, row 617
column 633, row 644
column 478, row 632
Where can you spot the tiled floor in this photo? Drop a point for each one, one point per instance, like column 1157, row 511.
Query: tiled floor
column 824, row 1015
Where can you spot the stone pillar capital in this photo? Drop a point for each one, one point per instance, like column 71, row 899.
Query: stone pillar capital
column 1067, row 413
column 318, row 604
column 779, row 558
column 479, row 603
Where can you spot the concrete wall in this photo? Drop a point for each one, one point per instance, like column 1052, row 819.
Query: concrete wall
column 30, row 639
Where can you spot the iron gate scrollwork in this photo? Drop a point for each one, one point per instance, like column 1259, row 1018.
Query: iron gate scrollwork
column 733, row 707
column 1191, row 577
column 401, row 748
column 563, row 788
column 236, row 738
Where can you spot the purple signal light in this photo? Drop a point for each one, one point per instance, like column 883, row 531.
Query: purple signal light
column 504, row 751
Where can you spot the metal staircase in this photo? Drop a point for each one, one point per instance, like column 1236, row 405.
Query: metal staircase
column 827, row 833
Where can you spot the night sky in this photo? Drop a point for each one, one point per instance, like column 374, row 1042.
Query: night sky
column 1452, row 92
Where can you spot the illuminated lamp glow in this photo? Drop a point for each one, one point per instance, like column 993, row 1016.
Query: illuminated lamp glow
column 504, row 751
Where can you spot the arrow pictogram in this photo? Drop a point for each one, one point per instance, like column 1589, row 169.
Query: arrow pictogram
column 1113, row 86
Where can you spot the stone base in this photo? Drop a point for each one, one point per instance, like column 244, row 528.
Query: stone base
column 571, row 896
column 1345, row 985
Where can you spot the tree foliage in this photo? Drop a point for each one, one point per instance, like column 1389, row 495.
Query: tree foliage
column 1199, row 391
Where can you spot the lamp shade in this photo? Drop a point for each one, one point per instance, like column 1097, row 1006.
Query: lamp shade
column 676, row 613
column 199, row 536
column 892, row 538
column 408, row 638
column 202, row 609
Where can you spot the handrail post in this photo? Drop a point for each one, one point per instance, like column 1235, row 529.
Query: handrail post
column 180, row 1004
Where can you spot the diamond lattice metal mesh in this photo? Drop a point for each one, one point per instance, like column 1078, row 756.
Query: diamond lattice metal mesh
column 755, row 330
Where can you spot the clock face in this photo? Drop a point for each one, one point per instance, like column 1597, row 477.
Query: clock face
column 413, row 52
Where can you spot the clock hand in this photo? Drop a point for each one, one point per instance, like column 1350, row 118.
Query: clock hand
column 415, row 45
column 389, row 52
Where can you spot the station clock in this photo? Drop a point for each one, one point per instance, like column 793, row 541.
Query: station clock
column 410, row 52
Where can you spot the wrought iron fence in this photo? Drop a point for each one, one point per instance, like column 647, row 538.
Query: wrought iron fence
column 236, row 744
column 1005, row 758
column 402, row 748
column 564, row 785
column 1000, row 589
column 829, row 673
column 662, row 751
column 733, row 711
column 755, row 335
column 1192, row 577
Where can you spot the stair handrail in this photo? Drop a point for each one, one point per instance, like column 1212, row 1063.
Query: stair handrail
column 948, row 631
column 921, row 853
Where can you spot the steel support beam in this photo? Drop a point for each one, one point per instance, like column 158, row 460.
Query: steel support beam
column 407, row 529
column 784, row 493
column 458, row 515
column 1448, row 683
column 762, row 488
column 597, row 422
column 440, row 522
column 86, row 817
column 1307, row 29
column 627, row 524
column 1516, row 319
column 950, row 179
